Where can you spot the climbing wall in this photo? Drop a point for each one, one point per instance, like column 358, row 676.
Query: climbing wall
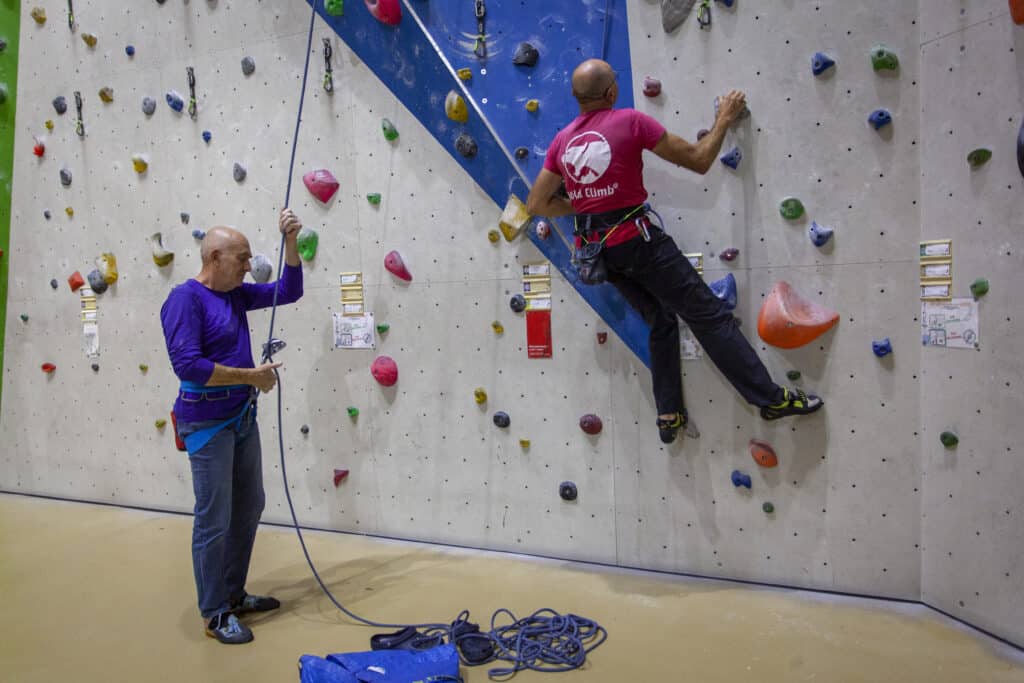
column 972, row 75
column 425, row 460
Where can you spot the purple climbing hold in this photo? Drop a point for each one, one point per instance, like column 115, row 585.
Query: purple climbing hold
column 732, row 158
column 702, row 133
column 880, row 118
column 820, row 234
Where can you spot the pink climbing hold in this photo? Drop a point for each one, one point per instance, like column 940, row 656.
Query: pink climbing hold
column 385, row 370
column 396, row 266
column 339, row 476
column 591, row 424
column 652, row 87
column 386, row 11
column 321, row 183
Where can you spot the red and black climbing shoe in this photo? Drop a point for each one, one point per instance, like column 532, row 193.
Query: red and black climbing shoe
column 228, row 629
column 795, row 402
column 667, row 429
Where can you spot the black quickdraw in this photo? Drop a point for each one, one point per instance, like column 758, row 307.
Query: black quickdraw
column 704, row 14
column 79, row 124
column 480, row 47
column 71, row 16
column 191, row 92
column 329, row 72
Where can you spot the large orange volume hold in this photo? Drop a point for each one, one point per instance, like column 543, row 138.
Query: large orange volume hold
column 1017, row 11
column 788, row 321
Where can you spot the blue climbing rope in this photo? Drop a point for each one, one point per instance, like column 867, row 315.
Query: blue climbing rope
column 544, row 641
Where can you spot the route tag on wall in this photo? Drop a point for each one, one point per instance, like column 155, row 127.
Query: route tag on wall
column 537, row 291
column 90, row 327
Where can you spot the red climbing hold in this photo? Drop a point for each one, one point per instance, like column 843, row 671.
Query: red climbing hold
column 1017, row 11
column 339, row 476
column 591, row 424
column 75, row 281
column 49, row 368
column 602, row 337
column 321, row 183
column 385, row 370
column 396, row 266
column 386, row 11
column 763, row 454
column 39, row 149
column 788, row 321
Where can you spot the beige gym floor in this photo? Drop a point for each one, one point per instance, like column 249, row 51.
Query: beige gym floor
column 95, row 593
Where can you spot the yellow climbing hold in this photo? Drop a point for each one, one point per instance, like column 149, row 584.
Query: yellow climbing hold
column 143, row 368
column 161, row 423
column 465, row 74
column 514, row 218
column 89, row 39
column 532, row 105
column 140, row 162
column 161, row 256
column 498, row 327
column 108, row 267
column 524, row 444
column 107, row 94
column 49, row 124
column 69, row 211
column 39, row 14
column 480, row 396
column 493, row 235
column 455, row 107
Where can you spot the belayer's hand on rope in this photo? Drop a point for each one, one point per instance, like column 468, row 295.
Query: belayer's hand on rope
column 290, row 224
column 265, row 376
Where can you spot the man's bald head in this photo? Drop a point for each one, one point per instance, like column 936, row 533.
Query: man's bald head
column 592, row 80
column 221, row 239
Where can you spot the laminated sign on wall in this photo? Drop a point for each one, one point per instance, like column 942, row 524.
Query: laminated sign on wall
column 953, row 324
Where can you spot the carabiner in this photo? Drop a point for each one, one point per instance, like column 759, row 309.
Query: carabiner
column 192, row 92
column 480, row 46
column 704, row 14
column 79, row 124
column 329, row 73
column 71, row 16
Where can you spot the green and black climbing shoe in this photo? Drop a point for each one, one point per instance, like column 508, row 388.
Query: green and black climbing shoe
column 228, row 629
column 795, row 402
column 667, row 429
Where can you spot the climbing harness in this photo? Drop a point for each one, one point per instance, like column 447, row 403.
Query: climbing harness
column 704, row 14
column 191, row 92
column 480, row 47
column 79, row 124
column 71, row 16
column 544, row 641
column 193, row 393
column 329, row 72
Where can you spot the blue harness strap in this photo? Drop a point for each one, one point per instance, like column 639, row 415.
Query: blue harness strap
column 196, row 440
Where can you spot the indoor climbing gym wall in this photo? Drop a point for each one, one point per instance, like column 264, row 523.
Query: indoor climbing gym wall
column 447, row 376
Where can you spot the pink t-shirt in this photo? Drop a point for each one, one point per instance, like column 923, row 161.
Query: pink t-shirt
column 600, row 156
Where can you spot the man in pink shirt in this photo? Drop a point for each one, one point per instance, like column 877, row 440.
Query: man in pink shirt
column 599, row 157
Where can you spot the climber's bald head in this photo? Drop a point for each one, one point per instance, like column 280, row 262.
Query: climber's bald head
column 225, row 253
column 594, row 85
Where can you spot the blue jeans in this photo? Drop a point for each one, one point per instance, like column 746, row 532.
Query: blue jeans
column 227, row 477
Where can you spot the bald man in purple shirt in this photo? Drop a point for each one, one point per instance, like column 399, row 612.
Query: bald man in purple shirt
column 207, row 333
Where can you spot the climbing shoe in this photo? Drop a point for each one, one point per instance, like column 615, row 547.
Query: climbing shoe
column 228, row 629
column 667, row 429
column 795, row 402
column 254, row 603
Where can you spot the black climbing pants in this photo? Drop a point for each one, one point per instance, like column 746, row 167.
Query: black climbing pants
column 661, row 283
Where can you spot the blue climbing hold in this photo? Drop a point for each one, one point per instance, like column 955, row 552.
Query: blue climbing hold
column 207, row 136
column 740, row 479
column 502, row 420
column 882, row 348
column 820, row 234
column 821, row 62
column 198, row 234
column 725, row 289
column 727, row 3
column 130, row 50
column 733, row 158
column 174, row 101
column 880, row 118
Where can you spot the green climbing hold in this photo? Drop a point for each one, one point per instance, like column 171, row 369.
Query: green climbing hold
column 979, row 287
column 791, row 208
column 882, row 58
column 353, row 412
column 390, row 132
column 24, row 318
column 382, row 328
column 307, row 243
column 143, row 368
column 949, row 439
column 768, row 508
column 3, row 93
column 373, row 198
column 334, row 7
column 979, row 157
column 793, row 375
column 160, row 424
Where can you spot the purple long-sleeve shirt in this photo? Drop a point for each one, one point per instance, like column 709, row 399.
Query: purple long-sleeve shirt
column 203, row 327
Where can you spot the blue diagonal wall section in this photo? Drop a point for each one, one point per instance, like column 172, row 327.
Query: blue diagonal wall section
column 417, row 60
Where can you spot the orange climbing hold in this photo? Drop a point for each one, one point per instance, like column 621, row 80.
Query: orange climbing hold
column 1017, row 11
column 75, row 281
column 788, row 320
column 763, row 454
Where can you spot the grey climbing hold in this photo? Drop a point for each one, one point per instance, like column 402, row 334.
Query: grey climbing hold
column 568, row 491
column 525, row 55
column 148, row 105
column 522, row 152
column 304, row 429
column 60, row 104
column 674, row 13
column 53, row 283
column 248, row 65
column 502, row 420
column 466, row 146
column 95, row 367
column 518, row 303
column 185, row 217
column 96, row 281
column 65, row 177
column 239, row 172
column 261, row 268
column 47, row 214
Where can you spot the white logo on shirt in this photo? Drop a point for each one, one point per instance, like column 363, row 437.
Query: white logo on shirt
column 587, row 157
